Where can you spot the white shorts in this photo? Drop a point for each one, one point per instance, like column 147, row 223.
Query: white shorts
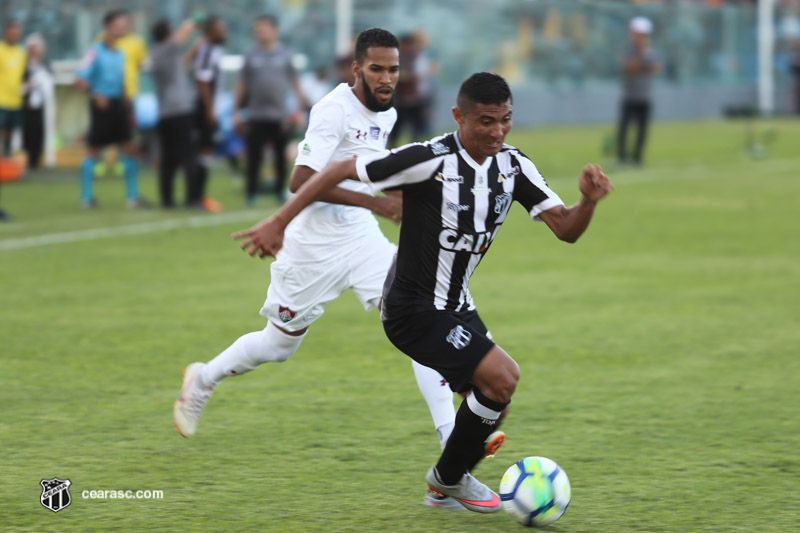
column 299, row 292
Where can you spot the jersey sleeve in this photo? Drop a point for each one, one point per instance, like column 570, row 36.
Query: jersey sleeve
column 86, row 67
column 390, row 169
column 532, row 191
column 326, row 128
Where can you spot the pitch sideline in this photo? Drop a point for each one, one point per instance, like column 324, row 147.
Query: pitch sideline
column 141, row 228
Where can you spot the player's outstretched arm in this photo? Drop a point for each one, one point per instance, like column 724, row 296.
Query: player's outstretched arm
column 266, row 237
column 569, row 223
column 390, row 207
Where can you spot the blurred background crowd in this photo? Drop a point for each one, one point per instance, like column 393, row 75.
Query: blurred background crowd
column 568, row 61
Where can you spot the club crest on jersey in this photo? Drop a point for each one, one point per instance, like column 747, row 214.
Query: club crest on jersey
column 286, row 314
column 475, row 243
column 501, row 202
column 374, row 133
column 480, row 188
column 459, row 337
column 55, row 494
column 439, row 149
column 449, row 179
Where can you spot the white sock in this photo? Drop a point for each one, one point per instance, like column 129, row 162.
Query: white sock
column 248, row 352
column 444, row 432
column 436, row 391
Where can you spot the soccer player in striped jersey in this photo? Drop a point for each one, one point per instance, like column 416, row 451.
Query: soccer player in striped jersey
column 457, row 191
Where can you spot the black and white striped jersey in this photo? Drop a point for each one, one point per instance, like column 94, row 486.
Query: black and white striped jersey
column 452, row 210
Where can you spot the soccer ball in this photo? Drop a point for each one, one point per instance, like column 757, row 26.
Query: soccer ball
column 535, row 491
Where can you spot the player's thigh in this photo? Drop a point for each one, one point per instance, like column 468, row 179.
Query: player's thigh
column 298, row 294
column 442, row 341
column 496, row 375
column 370, row 264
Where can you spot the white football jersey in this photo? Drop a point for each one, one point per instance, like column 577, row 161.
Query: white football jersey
column 340, row 127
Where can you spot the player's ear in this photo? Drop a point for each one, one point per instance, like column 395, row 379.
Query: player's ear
column 458, row 116
column 356, row 68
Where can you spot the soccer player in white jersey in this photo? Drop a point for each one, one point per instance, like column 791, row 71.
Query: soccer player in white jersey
column 460, row 187
column 335, row 245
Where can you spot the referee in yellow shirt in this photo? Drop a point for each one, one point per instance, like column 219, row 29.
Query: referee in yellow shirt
column 12, row 71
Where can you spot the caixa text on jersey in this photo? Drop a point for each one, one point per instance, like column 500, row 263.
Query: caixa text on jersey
column 476, row 243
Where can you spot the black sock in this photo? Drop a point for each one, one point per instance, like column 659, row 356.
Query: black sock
column 466, row 447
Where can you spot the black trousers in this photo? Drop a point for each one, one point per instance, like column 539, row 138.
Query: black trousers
column 177, row 151
column 638, row 112
column 33, row 134
column 260, row 132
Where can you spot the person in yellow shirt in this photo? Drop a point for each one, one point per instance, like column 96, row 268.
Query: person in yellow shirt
column 12, row 71
column 135, row 51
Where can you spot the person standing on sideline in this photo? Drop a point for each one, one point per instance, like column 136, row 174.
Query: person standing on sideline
column 102, row 75
column 38, row 109
column 12, row 72
column 428, row 312
column 134, row 49
column 639, row 66
column 795, row 66
column 207, row 77
column 263, row 88
column 176, row 96
column 409, row 103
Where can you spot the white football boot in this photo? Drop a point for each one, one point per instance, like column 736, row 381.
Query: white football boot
column 492, row 443
column 193, row 399
column 469, row 492
column 444, row 502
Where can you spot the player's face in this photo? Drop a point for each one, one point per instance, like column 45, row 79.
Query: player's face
column 483, row 128
column 640, row 40
column 219, row 33
column 265, row 32
column 378, row 72
column 118, row 27
column 12, row 33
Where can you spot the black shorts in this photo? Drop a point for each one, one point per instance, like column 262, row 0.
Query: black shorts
column 451, row 343
column 111, row 125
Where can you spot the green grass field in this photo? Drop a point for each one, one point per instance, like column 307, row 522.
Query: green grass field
column 658, row 356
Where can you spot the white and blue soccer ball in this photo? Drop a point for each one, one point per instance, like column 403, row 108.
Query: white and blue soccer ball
column 535, row 491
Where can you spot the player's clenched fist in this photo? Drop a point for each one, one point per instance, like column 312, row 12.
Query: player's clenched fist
column 265, row 238
column 594, row 184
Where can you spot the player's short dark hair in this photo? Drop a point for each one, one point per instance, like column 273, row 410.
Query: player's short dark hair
column 161, row 30
column 266, row 17
column 483, row 88
column 374, row 38
column 113, row 15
